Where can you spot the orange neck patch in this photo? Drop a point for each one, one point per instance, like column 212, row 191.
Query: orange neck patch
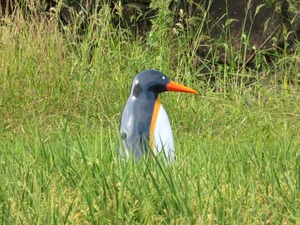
column 153, row 122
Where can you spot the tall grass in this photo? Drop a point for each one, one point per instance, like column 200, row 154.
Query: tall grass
column 60, row 101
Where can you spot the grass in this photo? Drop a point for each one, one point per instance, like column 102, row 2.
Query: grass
column 237, row 146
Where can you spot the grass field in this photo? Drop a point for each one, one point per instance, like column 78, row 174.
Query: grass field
column 237, row 145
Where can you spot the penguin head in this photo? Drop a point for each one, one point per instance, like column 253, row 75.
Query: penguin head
column 151, row 80
column 155, row 81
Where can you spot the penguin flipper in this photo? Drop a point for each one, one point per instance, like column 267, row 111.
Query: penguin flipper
column 123, row 151
column 137, row 145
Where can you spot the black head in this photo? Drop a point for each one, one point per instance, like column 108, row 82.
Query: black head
column 152, row 81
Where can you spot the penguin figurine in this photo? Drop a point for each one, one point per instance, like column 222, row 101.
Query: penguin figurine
column 144, row 122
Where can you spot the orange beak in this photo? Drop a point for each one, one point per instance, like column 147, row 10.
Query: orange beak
column 172, row 86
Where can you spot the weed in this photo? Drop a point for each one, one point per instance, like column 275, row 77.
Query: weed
column 61, row 97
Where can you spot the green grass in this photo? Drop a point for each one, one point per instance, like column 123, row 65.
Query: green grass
column 237, row 146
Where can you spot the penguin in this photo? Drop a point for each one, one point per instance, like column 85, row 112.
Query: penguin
column 144, row 124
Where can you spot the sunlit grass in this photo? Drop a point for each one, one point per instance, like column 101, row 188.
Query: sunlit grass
column 237, row 146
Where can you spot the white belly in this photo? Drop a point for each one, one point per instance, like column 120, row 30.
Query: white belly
column 162, row 135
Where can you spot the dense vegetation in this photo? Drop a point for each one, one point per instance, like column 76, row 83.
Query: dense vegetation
column 62, row 92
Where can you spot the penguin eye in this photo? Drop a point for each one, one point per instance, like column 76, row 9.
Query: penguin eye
column 163, row 77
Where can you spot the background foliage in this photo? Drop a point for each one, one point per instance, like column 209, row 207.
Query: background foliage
column 62, row 92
